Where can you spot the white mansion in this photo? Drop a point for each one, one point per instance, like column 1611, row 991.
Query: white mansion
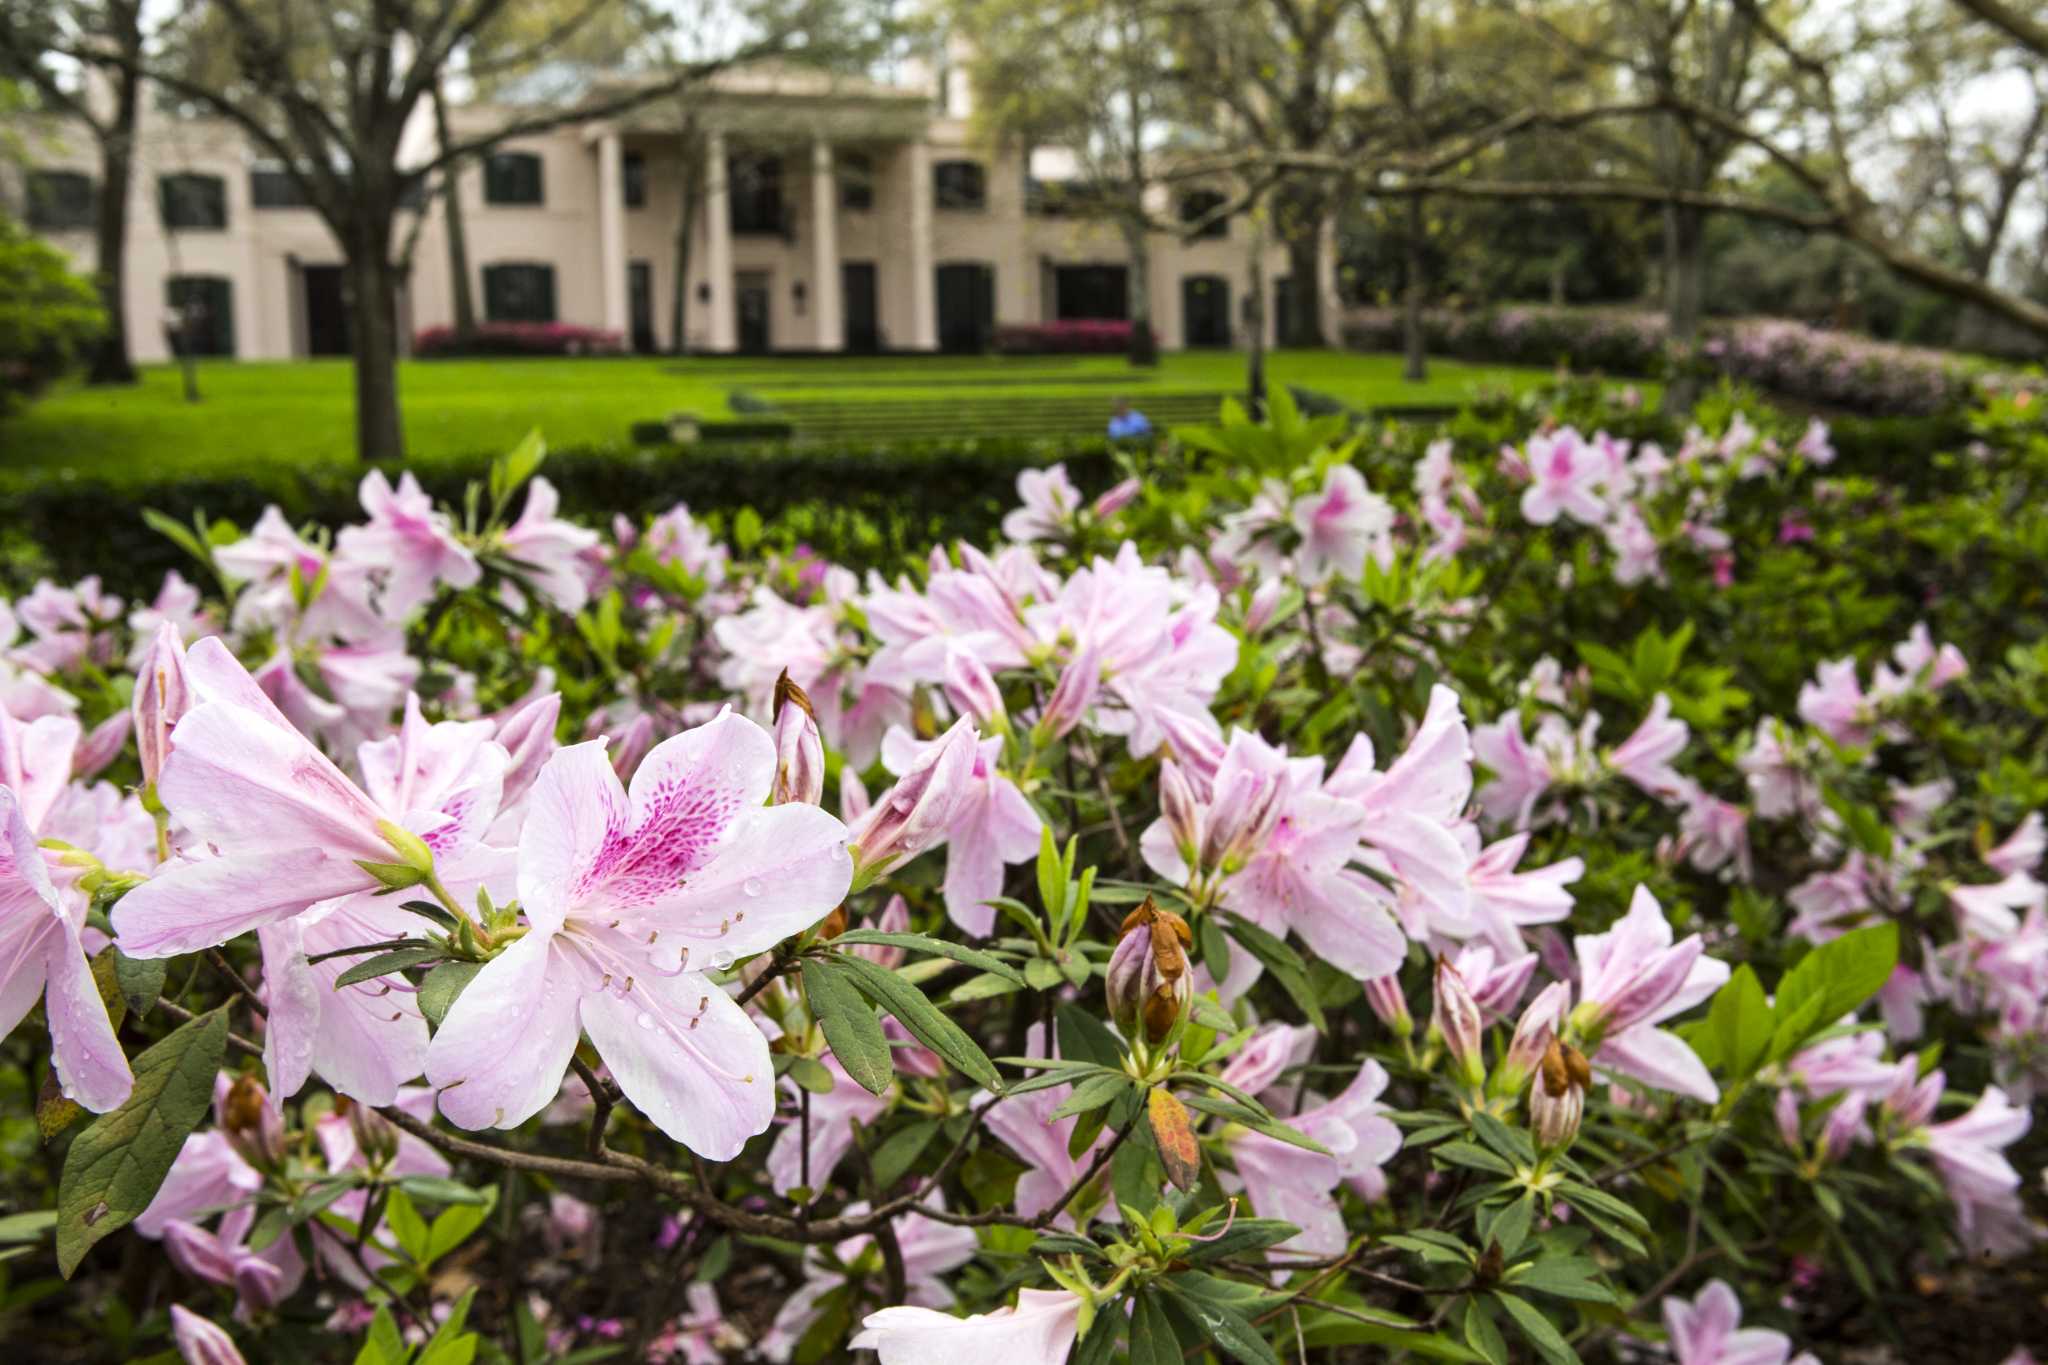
column 832, row 215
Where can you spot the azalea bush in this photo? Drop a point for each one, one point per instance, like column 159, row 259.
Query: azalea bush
column 1557, row 887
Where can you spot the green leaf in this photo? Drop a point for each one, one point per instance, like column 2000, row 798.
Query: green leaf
column 850, row 1025
column 1085, row 1038
column 141, row 979
column 918, row 1014
column 114, row 1167
column 901, row 1150
column 986, row 986
column 1482, row 1332
column 1840, row 975
column 1510, row 1228
column 1286, row 966
column 1099, row 1346
column 1244, row 1235
column 1567, row 1277
column 1052, row 880
column 27, row 1227
column 1547, row 1340
column 1152, row 1337
column 454, row 1227
column 441, row 1190
column 383, row 964
column 1739, row 1021
column 1092, row 1093
column 406, row 1224
column 1225, row 1326
column 384, row 1346
column 937, row 947
column 1473, row 1155
column 441, row 986
column 1215, row 946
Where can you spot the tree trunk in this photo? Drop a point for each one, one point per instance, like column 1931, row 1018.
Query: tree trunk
column 1301, row 226
column 680, row 303
column 374, row 318
column 1415, row 367
column 464, row 298
column 1684, row 289
column 1144, row 342
column 111, row 363
column 1255, row 320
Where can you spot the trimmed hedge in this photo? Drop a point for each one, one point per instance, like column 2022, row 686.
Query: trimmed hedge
column 864, row 506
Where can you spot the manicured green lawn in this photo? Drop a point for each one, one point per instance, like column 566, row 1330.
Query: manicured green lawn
column 302, row 412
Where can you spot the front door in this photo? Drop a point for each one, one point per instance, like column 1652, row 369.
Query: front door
column 857, row 299
column 640, row 305
column 750, row 293
column 326, row 310
column 1205, row 311
column 967, row 306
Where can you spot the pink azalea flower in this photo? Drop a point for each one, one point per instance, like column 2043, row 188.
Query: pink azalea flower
column 1644, row 758
column 993, row 825
column 1338, row 526
column 291, row 829
column 1709, row 1331
column 1040, row 1329
column 1635, row 548
column 623, row 893
column 1713, row 833
column 1521, row 771
column 276, row 565
column 1051, row 503
column 1566, row 476
column 1504, row 901
column 937, row 781
column 199, row 1342
column 1299, row 1186
column 1834, row 703
column 1632, row 978
column 2021, row 850
column 699, row 1336
column 42, row 918
column 1776, row 770
column 177, row 604
column 833, row 1115
column 1415, row 806
column 1814, row 444
column 549, row 550
column 414, row 546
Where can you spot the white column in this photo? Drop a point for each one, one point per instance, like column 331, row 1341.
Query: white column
column 924, row 317
column 722, row 319
column 611, row 233
column 826, row 310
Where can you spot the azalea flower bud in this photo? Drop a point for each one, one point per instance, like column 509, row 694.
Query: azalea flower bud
column 972, row 690
column 1534, row 1032
column 1390, row 1003
column 799, row 752
column 915, row 814
column 199, row 1341
column 1557, row 1099
column 1259, row 614
column 1239, row 821
column 101, row 746
column 1071, row 696
column 1149, row 987
column 1116, row 499
column 632, row 745
column 1455, row 1019
column 527, row 730
column 162, row 697
column 252, row 1128
column 1183, row 813
column 1844, row 1124
column 375, row 1136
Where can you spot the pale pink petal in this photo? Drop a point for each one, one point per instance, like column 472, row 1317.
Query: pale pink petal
column 780, row 870
column 498, row 1057
column 576, row 810
column 185, row 908
column 688, row 1058
column 1660, row 1060
column 90, row 1063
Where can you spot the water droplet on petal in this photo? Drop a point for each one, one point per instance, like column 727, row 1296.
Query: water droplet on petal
column 751, row 886
column 644, row 1019
column 720, row 960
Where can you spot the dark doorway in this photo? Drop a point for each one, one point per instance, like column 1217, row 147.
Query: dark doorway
column 750, row 294
column 640, row 305
column 326, row 310
column 1283, row 310
column 1205, row 311
column 857, row 301
column 967, row 306
column 1091, row 291
column 201, row 321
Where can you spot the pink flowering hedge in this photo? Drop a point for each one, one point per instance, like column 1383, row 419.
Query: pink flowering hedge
column 1839, row 370
column 1517, row 893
